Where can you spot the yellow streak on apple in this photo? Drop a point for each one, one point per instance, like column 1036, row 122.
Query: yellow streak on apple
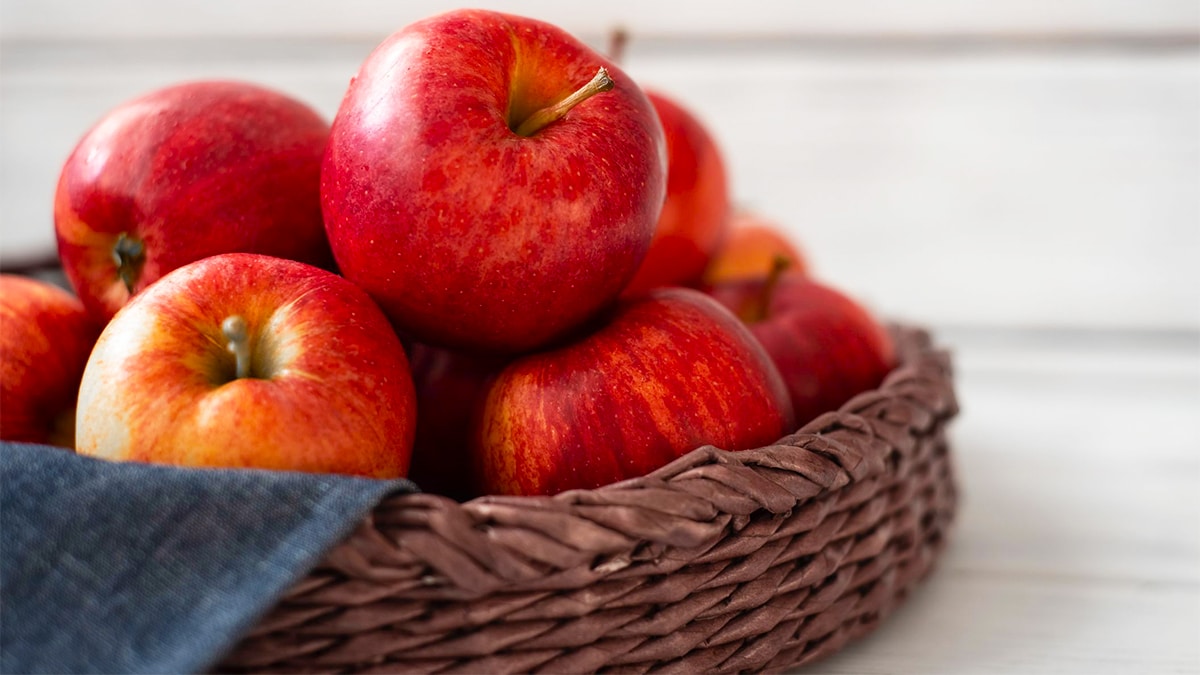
column 499, row 434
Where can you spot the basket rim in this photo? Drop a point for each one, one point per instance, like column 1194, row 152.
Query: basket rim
column 833, row 451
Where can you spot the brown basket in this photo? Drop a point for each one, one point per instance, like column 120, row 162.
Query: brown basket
column 721, row 561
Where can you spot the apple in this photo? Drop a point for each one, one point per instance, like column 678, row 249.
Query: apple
column 828, row 348
column 666, row 373
column 753, row 245
column 45, row 343
column 491, row 181
column 186, row 172
column 246, row 360
column 450, row 387
column 695, row 215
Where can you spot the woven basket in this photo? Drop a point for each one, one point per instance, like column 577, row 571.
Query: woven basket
column 750, row 561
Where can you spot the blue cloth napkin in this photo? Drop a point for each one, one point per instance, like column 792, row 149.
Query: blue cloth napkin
column 135, row 568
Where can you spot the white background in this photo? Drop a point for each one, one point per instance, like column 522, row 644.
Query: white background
column 1023, row 177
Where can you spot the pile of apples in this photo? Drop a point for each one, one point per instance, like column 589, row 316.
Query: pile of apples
column 504, row 267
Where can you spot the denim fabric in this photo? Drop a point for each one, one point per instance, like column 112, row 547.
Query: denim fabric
column 135, row 568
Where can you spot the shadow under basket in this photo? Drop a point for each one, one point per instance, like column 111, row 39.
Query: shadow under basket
column 758, row 560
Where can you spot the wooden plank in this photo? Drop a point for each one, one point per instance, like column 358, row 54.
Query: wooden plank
column 1078, row 457
column 1093, row 489
column 993, row 188
column 149, row 18
column 964, row 623
column 1024, row 189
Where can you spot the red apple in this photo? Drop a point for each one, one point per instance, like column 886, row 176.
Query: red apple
column 450, row 387
column 244, row 360
column 46, row 339
column 183, row 173
column 482, row 185
column 665, row 374
column 751, row 249
column 695, row 215
column 827, row 346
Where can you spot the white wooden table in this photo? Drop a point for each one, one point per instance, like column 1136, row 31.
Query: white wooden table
column 1078, row 544
column 1022, row 177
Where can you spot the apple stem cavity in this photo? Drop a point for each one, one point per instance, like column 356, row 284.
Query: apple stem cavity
column 759, row 307
column 238, row 335
column 128, row 253
column 540, row 119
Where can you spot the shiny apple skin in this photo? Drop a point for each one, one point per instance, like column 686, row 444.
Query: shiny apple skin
column 45, row 339
column 469, row 235
column 827, row 346
column 665, row 374
column 695, row 216
column 192, row 170
column 750, row 250
column 332, row 391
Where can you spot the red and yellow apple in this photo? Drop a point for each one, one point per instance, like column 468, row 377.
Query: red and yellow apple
column 695, row 214
column 828, row 347
column 751, row 249
column 186, row 172
column 45, row 339
column 245, row 360
column 491, row 181
column 664, row 374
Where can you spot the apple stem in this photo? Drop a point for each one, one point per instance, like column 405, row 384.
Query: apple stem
column 238, row 335
column 760, row 306
column 128, row 254
column 616, row 44
column 545, row 116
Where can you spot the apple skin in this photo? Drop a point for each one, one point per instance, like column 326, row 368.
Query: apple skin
column 666, row 373
column 828, row 348
column 450, row 386
column 467, row 234
column 190, row 170
column 695, row 216
column 750, row 250
column 329, row 392
column 44, row 346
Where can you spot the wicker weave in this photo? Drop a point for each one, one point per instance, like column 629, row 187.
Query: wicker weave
column 719, row 562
